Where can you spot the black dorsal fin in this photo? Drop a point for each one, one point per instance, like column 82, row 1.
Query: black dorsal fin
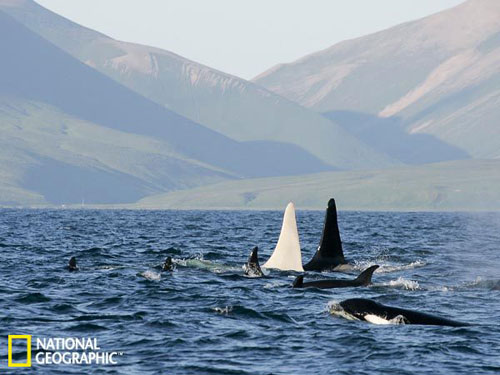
column 329, row 253
column 254, row 256
column 365, row 277
column 298, row 281
column 330, row 245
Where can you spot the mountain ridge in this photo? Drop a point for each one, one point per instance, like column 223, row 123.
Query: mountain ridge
column 438, row 74
column 229, row 105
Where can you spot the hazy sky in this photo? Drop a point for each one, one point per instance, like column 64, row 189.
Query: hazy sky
column 242, row 37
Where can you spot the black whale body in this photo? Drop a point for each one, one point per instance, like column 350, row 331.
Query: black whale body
column 364, row 279
column 360, row 308
column 329, row 254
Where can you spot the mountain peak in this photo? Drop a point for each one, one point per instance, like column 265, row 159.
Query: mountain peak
column 436, row 76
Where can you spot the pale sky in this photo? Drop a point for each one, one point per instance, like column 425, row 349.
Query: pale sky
column 242, row 37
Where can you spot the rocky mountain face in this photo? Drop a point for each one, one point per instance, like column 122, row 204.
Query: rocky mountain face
column 438, row 76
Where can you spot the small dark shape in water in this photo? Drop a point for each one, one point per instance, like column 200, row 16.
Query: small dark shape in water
column 168, row 265
column 364, row 279
column 365, row 309
column 252, row 266
column 72, row 266
column 329, row 254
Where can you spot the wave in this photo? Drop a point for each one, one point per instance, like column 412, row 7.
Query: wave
column 200, row 263
column 249, row 313
column 277, row 284
column 33, row 298
column 87, row 327
column 401, row 283
column 388, row 267
column 480, row 282
column 151, row 275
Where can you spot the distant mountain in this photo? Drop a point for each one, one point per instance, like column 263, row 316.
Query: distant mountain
column 437, row 76
column 234, row 107
column 68, row 129
column 456, row 185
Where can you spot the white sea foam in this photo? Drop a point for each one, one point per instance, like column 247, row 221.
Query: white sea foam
column 387, row 267
column 275, row 284
column 151, row 275
column 402, row 283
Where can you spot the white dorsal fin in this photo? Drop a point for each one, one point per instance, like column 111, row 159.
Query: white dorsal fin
column 287, row 255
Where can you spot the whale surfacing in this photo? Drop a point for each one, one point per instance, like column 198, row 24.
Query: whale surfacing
column 287, row 255
column 72, row 266
column 364, row 279
column 374, row 312
column 329, row 254
column 252, row 266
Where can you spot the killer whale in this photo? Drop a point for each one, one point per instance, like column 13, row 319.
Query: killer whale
column 374, row 312
column 364, row 279
column 287, row 255
column 329, row 254
column 252, row 266
column 72, row 266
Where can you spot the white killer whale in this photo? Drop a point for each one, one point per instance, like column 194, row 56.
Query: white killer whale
column 287, row 255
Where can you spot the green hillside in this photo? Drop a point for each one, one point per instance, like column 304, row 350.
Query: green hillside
column 460, row 185
column 47, row 156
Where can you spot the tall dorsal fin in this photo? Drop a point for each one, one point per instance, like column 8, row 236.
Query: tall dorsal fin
column 365, row 277
column 330, row 245
column 329, row 253
column 287, row 255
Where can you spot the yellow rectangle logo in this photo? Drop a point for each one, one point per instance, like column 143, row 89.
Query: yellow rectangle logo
column 28, row 350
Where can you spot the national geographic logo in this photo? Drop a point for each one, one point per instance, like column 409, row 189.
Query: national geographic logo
column 58, row 351
column 13, row 338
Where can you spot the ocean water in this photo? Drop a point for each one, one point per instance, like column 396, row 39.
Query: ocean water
column 207, row 318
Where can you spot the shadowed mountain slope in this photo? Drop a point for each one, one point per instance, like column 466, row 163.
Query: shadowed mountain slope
column 48, row 98
column 229, row 105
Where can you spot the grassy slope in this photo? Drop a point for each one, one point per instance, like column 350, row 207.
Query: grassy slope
column 34, row 134
column 460, row 185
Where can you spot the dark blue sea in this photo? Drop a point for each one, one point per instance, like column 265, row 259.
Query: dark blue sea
column 207, row 318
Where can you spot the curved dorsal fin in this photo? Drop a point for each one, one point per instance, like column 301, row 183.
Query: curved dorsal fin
column 287, row 255
column 365, row 277
column 298, row 282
